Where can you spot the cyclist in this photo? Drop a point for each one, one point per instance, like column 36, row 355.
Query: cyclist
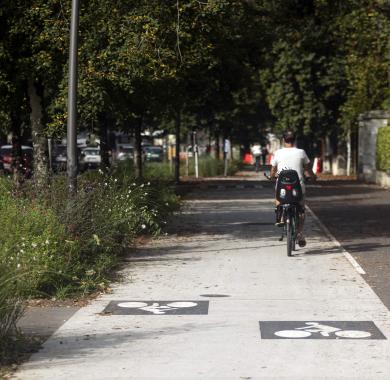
column 292, row 158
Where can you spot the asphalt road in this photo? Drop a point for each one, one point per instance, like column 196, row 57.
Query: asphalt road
column 220, row 299
column 358, row 215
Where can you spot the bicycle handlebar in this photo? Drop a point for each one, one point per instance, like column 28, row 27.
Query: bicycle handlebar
column 306, row 179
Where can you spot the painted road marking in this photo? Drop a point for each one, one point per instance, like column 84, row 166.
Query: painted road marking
column 320, row 330
column 157, row 307
column 347, row 255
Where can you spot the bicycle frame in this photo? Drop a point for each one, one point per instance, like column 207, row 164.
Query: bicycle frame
column 290, row 217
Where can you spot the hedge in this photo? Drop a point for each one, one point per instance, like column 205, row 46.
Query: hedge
column 383, row 149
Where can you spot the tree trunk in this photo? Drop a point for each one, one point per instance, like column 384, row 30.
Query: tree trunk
column 349, row 153
column 104, row 148
column 177, row 150
column 138, row 149
column 217, row 147
column 39, row 140
column 17, row 161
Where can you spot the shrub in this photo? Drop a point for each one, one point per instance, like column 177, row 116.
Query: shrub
column 211, row 167
column 71, row 246
column 383, row 149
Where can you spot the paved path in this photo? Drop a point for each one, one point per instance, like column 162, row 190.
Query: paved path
column 227, row 246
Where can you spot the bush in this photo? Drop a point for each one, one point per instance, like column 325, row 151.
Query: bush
column 152, row 170
column 70, row 247
column 208, row 167
column 383, row 149
column 211, row 167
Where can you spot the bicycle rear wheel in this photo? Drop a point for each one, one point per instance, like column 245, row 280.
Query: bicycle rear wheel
column 294, row 232
column 289, row 233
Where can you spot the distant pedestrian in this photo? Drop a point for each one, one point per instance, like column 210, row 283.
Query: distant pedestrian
column 264, row 154
column 256, row 153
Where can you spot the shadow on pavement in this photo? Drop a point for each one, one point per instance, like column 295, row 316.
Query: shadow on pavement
column 80, row 345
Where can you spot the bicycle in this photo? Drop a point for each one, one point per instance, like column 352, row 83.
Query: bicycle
column 290, row 217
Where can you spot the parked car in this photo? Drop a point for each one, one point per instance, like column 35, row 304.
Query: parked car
column 125, row 152
column 154, row 153
column 59, row 158
column 90, row 158
column 6, row 158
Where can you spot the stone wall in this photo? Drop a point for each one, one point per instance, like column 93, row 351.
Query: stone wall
column 369, row 124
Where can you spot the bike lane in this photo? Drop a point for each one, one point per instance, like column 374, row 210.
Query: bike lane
column 215, row 302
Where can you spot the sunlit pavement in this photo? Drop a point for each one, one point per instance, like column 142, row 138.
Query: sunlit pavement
column 221, row 300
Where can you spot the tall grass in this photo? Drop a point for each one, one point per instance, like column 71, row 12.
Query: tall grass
column 208, row 167
column 211, row 167
column 11, row 308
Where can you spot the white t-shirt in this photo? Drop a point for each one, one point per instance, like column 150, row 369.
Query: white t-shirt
column 256, row 150
column 291, row 159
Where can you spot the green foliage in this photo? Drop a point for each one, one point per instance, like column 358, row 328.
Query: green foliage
column 163, row 172
column 383, row 149
column 211, row 167
column 67, row 248
column 363, row 31
column 235, row 67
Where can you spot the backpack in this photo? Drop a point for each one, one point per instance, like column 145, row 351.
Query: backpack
column 288, row 187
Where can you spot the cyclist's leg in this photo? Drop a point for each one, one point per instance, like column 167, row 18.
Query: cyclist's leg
column 278, row 210
column 278, row 214
column 301, row 222
column 257, row 163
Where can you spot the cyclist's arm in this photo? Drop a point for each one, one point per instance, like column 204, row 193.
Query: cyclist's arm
column 309, row 172
column 274, row 171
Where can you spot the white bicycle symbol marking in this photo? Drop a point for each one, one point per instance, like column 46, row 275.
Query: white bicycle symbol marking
column 156, row 308
column 324, row 330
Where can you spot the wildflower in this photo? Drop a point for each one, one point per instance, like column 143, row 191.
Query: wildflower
column 47, row 242
column 100, row 171
column 34, row 245
column 105, row 183
column 18, row 265
column 96, row 238
column 21, row 251
column 143, row 226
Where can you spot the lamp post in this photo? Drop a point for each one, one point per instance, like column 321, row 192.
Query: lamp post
column 71, row 137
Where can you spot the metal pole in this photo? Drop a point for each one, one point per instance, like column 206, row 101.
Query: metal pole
column 196, row 156
column 72, row 107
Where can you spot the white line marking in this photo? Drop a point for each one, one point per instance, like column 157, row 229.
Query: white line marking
column 347, row 255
